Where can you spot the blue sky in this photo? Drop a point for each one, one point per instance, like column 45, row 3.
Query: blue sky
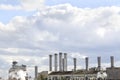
column 30, row 31
column 85, row 3
column 13, row 2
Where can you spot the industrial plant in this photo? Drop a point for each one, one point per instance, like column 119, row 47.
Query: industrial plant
column 59, row 70
column 93, row 73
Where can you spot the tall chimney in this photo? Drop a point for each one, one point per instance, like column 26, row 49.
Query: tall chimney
column 60, row 61
column 50, row 62
column 112, row 61
column 86, row 61
column 99, row 63
column 65, row 61
column 74, row 59
column 55, row 62
column 36, row 72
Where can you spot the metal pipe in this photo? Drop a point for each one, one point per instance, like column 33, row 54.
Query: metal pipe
column 112, row 61
column 99, row 63
column 74, row 59
column 50, row 62
column 65, row 61
column 86, row 61
column 55, row 62
column 36, row 72
column 60, row 61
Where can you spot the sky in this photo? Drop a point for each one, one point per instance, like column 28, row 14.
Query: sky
column 31, row 30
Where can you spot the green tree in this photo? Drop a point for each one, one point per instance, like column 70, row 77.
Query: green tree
column 63, row 78
column 41, row 77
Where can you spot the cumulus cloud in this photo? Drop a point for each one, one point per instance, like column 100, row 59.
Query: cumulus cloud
column 4, row 27
column 81, row 31
column 31, row 5
column 28, row 5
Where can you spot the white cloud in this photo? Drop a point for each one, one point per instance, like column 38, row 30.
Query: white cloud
column 66, row 25
column 45, row 36
column 32, row 5
column 28, row 5
column 101, row 32
column 6, row 27
column 11, row 50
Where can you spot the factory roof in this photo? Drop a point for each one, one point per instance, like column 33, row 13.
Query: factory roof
column 61, row 73
column 73, row 72
column 113, row 68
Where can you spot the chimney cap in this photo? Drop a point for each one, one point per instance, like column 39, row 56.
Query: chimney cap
column 65, row 53
column 74, row 58
column 55, row 53
column 14, row 62
column 60, row 52
column 111, row 56
column 50, row 55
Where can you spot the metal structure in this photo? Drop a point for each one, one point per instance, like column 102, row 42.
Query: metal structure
column 86, row 61
column 99, row 63
column 56, row 63
column 36, row 72
column 112, row 61
column 50, row 62
column 60, row 61
column 75, row 61
column 65, row 61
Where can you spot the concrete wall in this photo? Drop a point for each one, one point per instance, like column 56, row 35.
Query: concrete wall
column 113, row 73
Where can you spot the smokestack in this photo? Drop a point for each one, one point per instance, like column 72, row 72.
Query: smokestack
column 99, row 63
column 112, row 61
column 60, row 61
column 36, row 72
column 65, row 61
column 86, row 61
column 55, row 62
column 74, row 59
column 50, row 62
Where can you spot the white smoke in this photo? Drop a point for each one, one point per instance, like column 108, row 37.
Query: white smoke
column 18, row 74
column 102, row 75
column 21, row 74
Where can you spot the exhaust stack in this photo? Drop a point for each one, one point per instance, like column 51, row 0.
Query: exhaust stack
column 36, row 72
column 112, row 61
column 86, row 61
column 60, row 61
column 99, row 63
column 55, row 59
column 74, row 59
column 65, row 61
column 50, row 62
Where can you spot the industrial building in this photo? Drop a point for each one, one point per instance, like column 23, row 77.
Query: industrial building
column 113, row 73
column 42, row 75
column 17, row 72
column 94, row 73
